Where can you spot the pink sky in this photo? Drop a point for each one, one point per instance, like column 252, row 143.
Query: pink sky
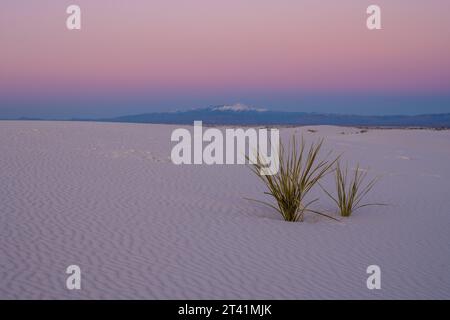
column 215, row 46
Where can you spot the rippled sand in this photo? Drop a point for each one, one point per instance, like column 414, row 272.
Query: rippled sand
column 107, row 198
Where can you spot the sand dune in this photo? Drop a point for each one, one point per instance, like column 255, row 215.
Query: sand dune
column 107, row 198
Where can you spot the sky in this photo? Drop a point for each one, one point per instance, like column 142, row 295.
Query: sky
column 141, row 56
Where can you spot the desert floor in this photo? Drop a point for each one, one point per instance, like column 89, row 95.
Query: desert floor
column 106, row 197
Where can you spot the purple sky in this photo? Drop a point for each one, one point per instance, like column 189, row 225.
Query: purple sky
column 140, row 56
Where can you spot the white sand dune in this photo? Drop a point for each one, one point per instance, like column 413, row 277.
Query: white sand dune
column 107, row 198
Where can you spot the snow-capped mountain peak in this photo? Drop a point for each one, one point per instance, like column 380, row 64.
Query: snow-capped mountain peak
column 237, row 107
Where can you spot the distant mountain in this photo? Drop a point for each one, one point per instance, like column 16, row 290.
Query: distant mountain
column 243, row 115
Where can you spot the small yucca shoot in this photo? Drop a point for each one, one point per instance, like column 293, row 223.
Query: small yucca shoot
column 300, row 170
column 351, row 190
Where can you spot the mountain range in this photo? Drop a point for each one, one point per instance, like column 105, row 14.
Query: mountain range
column 242, row 115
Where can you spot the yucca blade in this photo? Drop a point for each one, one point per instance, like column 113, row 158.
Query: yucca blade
column 299, row 171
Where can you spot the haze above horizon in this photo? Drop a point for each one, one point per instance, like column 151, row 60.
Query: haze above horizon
column 155, row 56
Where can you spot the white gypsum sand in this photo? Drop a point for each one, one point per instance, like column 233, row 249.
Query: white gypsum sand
column 106, row 197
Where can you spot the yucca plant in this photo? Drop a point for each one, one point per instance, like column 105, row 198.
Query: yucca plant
column 351, row 190
column 299, row 171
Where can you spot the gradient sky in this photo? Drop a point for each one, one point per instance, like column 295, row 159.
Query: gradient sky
column 154, row 55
